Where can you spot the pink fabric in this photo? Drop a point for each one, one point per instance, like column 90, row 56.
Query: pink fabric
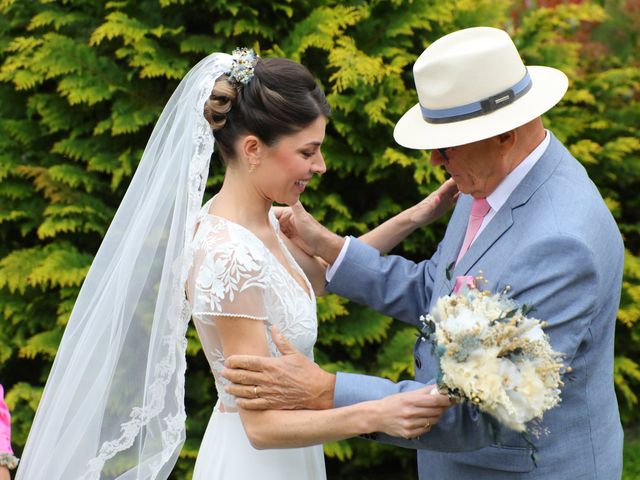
column 462, row 281
column 479, row 209
column 5, row 425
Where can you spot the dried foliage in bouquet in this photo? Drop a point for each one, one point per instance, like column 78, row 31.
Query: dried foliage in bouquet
column 493, row 355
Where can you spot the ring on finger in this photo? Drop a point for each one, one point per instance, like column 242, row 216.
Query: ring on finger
column 427, row 425
column 255, row 391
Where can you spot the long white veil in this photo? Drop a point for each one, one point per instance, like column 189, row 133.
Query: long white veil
column 113, row 406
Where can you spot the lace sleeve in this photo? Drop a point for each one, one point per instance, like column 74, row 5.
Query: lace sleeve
column 229, row 279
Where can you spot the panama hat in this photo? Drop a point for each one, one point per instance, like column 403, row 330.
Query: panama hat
column 472, row 85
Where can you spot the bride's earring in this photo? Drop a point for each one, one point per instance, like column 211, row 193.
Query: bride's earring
column 252, row 168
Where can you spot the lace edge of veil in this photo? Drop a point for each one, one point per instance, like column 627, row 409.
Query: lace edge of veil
column 174, row 362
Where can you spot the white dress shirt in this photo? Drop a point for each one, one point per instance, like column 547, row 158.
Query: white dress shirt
column 496, row 199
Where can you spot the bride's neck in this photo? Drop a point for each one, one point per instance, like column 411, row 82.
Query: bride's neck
column 241, row 201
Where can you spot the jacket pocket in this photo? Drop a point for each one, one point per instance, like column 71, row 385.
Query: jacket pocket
column 502, row 458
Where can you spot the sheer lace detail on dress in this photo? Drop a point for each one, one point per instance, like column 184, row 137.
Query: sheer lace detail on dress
column 231, row 276
column 235, row 275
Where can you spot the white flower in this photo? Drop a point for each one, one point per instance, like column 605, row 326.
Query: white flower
column 211, row 275
column 510, row 374
column 245, row 260
column 464, row 322
column 534, row 332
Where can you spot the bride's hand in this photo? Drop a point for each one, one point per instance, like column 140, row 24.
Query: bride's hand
column 411, row 414
column 436, row 204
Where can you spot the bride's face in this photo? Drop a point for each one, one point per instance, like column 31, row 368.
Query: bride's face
column 287, row 167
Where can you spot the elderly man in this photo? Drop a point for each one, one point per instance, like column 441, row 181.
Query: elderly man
column 528, row 217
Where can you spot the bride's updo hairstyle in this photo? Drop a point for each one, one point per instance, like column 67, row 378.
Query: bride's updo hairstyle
column 282, row 98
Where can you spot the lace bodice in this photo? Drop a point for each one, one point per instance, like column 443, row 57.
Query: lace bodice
column 235, row 275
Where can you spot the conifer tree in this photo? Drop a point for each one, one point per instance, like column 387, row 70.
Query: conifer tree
column 82, row 83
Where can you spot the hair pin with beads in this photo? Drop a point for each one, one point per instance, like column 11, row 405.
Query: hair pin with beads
column 244, row 61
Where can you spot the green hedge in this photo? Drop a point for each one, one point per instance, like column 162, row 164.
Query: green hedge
column 82, row 82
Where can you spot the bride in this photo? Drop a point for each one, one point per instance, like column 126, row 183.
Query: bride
column 113, row 406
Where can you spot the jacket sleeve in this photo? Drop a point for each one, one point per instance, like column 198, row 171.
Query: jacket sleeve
column 461, row 428
column 558, row 275
column 391, row 284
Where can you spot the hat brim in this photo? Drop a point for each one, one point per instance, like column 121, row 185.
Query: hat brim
column 548, row 86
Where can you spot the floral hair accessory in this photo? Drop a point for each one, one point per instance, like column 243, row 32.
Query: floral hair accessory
column 244, row 61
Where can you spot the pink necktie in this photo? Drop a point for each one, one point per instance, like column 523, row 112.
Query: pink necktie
column 479, row 209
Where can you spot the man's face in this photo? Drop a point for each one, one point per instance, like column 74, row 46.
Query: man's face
column 477, row 168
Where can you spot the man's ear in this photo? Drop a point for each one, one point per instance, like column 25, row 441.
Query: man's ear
column 252, row 149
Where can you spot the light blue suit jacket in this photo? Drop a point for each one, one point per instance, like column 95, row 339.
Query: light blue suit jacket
column 556, row 244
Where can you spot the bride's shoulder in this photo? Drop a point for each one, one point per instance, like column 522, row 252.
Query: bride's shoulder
column 220, row 237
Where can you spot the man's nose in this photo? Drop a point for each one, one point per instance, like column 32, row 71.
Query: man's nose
column 437, row 158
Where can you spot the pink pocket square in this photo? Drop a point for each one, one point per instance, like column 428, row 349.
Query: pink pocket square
column 464, row 281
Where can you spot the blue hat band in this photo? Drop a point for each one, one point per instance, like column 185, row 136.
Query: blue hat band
column 477, row 109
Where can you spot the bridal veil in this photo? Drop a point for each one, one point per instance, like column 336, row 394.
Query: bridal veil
column 113, row 406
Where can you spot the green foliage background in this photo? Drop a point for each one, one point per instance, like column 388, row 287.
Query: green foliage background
column 82, row 82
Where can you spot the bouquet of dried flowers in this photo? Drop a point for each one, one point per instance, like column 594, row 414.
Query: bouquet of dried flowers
column 493, row 355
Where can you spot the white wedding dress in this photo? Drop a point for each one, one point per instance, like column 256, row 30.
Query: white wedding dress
column 235, row 275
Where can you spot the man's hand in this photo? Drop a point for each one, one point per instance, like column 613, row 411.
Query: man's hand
column 285, row 383
column 309, row 234
column 436, row 204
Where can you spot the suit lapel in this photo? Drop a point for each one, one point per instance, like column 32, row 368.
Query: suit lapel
column 491, row 233
column 498, row 225
column 451, row 244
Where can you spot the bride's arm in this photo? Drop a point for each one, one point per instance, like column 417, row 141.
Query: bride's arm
column 403, row 415
column 393, row 231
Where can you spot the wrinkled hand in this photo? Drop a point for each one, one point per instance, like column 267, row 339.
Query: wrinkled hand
column 307, row 233
column 411, row 414
column 289, row 382
column 436, row 204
